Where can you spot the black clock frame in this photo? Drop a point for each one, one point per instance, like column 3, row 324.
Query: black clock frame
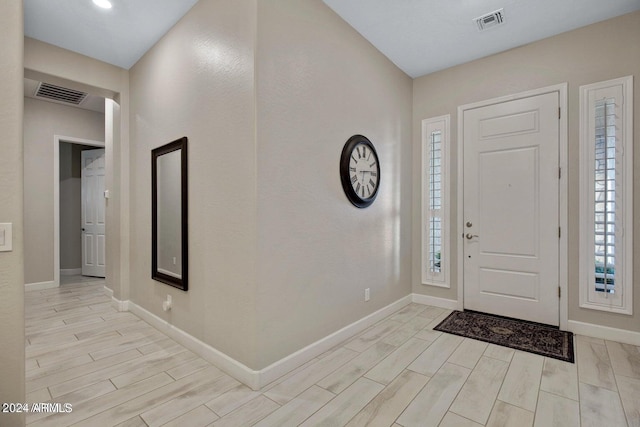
column 345, row 176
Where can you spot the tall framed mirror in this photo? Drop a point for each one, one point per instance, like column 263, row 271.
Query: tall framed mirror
column 170, row 259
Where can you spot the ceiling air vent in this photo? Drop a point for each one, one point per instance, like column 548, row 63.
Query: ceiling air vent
column 60, row 94
column 490, row 19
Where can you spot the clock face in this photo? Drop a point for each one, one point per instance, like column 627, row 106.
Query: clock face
column 364, row 168
column 360, row 171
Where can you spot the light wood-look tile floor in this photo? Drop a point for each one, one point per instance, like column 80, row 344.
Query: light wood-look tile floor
column 115, row 369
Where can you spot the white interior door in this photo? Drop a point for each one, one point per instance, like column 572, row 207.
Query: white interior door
column 511, row 208
column 93, row 213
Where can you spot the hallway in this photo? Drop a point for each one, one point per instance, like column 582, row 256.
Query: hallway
column 115, row 369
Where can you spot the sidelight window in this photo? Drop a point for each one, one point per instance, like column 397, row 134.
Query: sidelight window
column 606, row 179
column 435, row 196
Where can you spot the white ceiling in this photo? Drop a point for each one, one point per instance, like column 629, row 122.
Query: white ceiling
column 119, row 36
column 420, row 36
column 423, row 36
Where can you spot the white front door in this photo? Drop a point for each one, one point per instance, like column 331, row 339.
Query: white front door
column 93, row 213
column 511, row 208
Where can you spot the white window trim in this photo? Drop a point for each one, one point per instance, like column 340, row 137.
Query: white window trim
column 622, row 301
column 442, row 124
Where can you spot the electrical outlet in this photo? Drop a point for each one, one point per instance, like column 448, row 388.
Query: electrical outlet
column 166, row 305
column 367, row 294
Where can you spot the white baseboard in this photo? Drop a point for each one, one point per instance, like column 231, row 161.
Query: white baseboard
column 604, row 332
column 120, row 305
column 258, row 379
column 40, row 286
column 229, row 365
column 289, row 363
column 116, row 303
column 71, row 272
column 449, row 304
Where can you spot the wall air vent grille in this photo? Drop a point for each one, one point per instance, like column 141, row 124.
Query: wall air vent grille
column 60, row 94
column 490, row 20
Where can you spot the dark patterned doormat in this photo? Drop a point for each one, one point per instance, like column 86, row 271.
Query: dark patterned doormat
column 518, row 334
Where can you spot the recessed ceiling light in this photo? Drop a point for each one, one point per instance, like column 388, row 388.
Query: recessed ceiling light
column 105, row 4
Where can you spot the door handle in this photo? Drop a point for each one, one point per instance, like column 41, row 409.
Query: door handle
column 470, row 236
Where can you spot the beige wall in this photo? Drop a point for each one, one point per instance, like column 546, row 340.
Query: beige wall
column 268, row 91
column 43, row 120
column 319, row 82
column 198, row 82
column 278, row 257
column 55, row 65
column 12, row 387
column 595, row 53
column 46, row 62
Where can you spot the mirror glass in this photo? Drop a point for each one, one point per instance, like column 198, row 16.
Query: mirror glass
column 169, row 181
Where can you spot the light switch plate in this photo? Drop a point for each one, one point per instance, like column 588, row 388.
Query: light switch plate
column 6, row 237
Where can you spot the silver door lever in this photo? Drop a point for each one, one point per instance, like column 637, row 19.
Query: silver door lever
column 470, row 236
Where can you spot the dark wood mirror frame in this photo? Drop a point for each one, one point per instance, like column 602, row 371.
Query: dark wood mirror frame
column 182, row 282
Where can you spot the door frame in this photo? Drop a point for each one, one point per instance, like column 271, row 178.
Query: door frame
column 57, row 139
column 563, row 214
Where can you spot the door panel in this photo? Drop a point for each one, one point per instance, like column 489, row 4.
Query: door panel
column 93, row 213
column 509, row 283
column 504, row 177
column 511, row 204
column 88, row 250
column 100, row 256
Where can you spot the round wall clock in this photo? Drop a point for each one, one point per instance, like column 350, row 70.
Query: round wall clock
column 360, row 171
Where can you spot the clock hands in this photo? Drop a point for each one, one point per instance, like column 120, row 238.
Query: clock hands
column 362, row 186
column 365, row 185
